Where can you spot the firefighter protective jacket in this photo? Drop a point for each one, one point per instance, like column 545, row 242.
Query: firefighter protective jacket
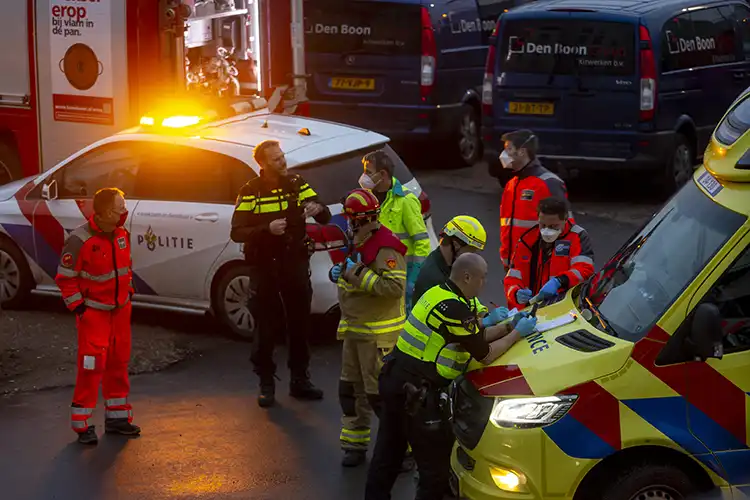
column 570, row 259
column 521, row 197
column 260, row 203
column 96, row 268
column 372, row 299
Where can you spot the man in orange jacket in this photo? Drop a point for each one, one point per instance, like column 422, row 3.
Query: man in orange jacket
column 95, row 278
column 550, row 257
column 522, row 194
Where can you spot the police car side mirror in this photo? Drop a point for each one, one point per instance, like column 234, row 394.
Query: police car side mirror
column 706, row 333
column 49, row 190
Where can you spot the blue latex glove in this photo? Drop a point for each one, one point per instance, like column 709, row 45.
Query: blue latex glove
column 518, row 317
column 336, row 272
column 550, row 289
column 523, row 296
column 350, row 264
column 495, row 316
column 526, row 326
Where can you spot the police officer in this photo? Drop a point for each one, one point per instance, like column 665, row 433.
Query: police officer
column 460, row 235
column 400, row 211
column 443, row 332
column 269, row 219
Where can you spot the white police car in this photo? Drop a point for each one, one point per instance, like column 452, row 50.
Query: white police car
column 181, row 177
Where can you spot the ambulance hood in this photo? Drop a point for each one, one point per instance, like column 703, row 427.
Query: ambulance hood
column 546, row 363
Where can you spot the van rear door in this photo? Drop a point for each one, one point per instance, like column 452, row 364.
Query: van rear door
column 572, row 78
column 363, row 51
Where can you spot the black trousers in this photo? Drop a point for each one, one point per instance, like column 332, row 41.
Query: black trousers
column 282, row 310
column 430, row 436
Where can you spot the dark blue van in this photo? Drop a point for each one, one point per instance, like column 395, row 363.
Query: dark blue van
column 409, row 69
column 605, row 84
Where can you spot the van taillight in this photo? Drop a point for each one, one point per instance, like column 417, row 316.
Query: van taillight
column 489, row 73
column 648, row 76
column 429, row 56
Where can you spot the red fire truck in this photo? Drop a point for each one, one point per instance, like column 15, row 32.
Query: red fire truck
column 74, row 71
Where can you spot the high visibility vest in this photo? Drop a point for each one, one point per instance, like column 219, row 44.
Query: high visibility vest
column 421, row 337
column 401, row 212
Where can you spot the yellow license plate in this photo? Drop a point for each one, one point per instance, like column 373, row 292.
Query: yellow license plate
column 531, row 108
column 352, row 83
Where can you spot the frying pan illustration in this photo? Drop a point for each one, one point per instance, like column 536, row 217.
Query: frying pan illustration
column 81, row 66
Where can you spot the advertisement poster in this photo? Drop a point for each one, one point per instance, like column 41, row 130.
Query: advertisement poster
column 81, row 50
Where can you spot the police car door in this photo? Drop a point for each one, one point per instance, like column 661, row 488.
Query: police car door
column 183, row 220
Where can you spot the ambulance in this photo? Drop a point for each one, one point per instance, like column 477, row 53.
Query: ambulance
column 637, row 383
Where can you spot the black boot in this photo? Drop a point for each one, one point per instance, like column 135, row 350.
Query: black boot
column 267, row 396
column 353, row 458
column 88, row 436
column 121, row 426
column 301, row 388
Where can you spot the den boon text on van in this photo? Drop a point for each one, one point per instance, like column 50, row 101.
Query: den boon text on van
column 341, row 29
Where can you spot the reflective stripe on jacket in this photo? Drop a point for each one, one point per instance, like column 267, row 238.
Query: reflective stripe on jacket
column 421, row 337
column 521, row 197
column 95, row 268
column 571, row 260
column 401, row 212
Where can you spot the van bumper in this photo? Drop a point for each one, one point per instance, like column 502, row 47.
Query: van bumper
column 399, row 122
column 585, row 150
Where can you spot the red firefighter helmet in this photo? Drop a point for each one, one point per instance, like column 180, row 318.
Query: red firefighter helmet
column 361, row 204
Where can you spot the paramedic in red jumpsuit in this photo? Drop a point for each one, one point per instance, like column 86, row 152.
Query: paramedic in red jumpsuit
column 95, row 278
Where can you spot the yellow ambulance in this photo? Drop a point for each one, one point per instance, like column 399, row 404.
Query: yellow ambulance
column 639, row 388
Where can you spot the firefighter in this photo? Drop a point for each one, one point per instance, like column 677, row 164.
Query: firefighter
column 461, row 234
column 550, row 258
column 522, row 194
column 439, row 339
column 269, row 219
column 95, row 279
column 371, row 296
column 400, row 211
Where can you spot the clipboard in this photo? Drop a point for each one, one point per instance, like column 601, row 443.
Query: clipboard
column 563, row 320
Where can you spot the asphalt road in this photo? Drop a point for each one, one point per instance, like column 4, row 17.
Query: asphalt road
column 204, row 436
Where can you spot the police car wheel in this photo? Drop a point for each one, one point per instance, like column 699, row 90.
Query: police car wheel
column 233, row 295
column 649, row 482
column 16, row 280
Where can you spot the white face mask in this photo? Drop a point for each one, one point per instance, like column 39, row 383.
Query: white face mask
column 366, row 182
column 506, row 159
column 549, row 235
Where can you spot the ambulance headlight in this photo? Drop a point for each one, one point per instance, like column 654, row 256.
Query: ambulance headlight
column 525, row 413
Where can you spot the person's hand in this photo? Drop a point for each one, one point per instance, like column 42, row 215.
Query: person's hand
column 79, row 310
column 277, row 227
column 550, row 289
column 350, row 267
column 518, row 317
column 523, row 296
column 336, row 272
column 495, row 316
column 312, row 209
column 526, row 325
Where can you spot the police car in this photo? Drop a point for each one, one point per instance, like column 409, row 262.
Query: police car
column 181, row 176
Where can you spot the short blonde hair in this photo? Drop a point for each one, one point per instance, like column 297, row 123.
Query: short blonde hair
column 260, row 149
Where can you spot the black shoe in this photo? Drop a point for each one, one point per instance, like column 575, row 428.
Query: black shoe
column 353, row 458
column 408, row 464
column 267, row 396
column 88, row 436
column 121, row 426
column 302, row 388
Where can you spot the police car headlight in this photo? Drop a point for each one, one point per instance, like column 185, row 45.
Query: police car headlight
column 530, row 412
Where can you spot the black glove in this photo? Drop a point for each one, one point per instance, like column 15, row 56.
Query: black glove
column 80, row 309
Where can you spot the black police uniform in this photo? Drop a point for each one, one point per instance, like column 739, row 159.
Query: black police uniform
column 433, row 272
column 281, row 268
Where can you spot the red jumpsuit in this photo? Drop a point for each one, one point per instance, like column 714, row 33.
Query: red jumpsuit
column 95, row 279
column 569, row 259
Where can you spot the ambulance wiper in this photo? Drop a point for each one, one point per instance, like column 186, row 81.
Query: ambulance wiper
column 590, row 313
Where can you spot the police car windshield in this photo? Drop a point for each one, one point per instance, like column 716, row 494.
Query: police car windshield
column 649, row 272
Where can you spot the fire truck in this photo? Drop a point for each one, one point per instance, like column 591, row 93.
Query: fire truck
column 75, row 71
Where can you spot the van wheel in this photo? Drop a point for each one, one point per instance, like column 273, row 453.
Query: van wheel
column 469, row 142
column 680, row 166
column 10, row 163
column 16, row 280
column 232, row 301
column 648, row 482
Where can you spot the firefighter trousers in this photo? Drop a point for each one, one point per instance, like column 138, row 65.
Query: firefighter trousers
column 104, row 343
column 282, row 310
column 361, row 362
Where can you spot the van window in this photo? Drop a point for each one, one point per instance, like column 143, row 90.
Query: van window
column 346, row 27
column 736, row 123
column 741, row 15
column 333, row 178
column 565, row 47
column 700, row 38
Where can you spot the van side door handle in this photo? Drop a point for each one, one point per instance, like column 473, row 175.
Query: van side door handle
column 739, row 75
column 210, row 217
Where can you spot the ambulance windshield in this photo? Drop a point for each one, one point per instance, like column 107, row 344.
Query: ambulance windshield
column 649, row 272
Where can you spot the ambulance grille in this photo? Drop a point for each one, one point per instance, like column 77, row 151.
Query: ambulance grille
column 584, row 341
